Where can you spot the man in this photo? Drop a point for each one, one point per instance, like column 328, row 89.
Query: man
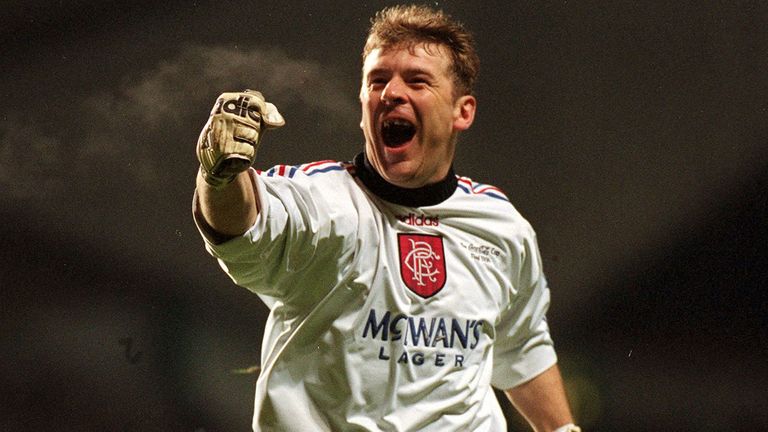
column 399, row 292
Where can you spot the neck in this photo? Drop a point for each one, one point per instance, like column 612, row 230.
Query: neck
column 428, row 195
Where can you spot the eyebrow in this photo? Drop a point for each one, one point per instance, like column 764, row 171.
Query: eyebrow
column 409, row 71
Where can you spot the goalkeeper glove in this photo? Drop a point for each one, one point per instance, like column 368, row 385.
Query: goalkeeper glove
column 228, row 142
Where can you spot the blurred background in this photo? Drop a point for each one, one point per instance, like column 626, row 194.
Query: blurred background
column 633, row 136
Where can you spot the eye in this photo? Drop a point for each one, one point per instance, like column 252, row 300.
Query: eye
column 377, row 82
column 419, row 80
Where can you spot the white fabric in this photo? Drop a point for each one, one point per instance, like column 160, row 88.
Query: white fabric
column 570, row 427
column 348, row 346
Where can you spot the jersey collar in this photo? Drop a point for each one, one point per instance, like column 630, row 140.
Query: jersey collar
column 428, row 195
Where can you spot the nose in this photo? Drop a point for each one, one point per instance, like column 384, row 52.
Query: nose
column 394, row 92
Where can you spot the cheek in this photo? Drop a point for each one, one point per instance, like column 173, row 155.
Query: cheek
column 365, row 113
column 367, row 120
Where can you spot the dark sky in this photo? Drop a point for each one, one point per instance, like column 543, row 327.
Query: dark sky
column 633, row 136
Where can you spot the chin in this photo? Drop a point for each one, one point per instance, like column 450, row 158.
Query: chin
column 403, row 178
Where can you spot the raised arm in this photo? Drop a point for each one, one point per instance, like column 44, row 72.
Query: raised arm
column 543, row 403
column 228, row 211
column 226, row 196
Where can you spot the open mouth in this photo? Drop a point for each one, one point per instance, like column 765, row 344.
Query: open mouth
column 397, row 132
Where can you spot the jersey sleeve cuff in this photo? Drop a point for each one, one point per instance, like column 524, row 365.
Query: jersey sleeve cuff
column 537, row 360
column 220, row 245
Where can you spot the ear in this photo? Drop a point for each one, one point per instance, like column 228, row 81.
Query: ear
column 360, row 97
column 464, row 112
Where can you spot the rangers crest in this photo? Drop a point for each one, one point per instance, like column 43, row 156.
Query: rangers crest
column 422, row 263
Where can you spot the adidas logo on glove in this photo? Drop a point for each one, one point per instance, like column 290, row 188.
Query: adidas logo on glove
column 238, row 107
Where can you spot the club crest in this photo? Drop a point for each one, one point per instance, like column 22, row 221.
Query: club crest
column 422, row 263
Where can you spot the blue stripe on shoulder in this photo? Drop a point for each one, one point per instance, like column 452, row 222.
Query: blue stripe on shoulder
column 464, row 188
column 496, row 195
column 327, row 169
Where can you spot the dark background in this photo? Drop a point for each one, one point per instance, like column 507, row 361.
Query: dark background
column 633, row 136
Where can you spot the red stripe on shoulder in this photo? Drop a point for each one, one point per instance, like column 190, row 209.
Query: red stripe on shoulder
column 314, row 164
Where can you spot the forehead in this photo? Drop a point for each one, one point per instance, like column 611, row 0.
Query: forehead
column 433, row 58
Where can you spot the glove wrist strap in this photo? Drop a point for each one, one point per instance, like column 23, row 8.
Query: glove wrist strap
column 216, row 182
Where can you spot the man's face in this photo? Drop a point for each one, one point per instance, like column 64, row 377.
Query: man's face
column 410, row 116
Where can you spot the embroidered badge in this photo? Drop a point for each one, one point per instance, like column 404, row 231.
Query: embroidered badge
column 422, row 263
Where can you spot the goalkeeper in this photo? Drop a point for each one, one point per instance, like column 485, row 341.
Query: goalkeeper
column 399, row 292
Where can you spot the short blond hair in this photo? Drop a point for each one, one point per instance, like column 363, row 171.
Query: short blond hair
column 410, row 25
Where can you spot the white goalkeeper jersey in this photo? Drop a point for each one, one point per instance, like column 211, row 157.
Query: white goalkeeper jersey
column 391, row 309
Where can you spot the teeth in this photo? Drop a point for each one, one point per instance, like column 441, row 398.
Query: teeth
column 398, row 123
column 397, row 131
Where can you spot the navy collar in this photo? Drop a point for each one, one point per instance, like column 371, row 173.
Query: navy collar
column 428, row 195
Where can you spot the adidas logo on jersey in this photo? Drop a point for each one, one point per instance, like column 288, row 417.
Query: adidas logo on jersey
column 239, row 107
column 419, row 220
